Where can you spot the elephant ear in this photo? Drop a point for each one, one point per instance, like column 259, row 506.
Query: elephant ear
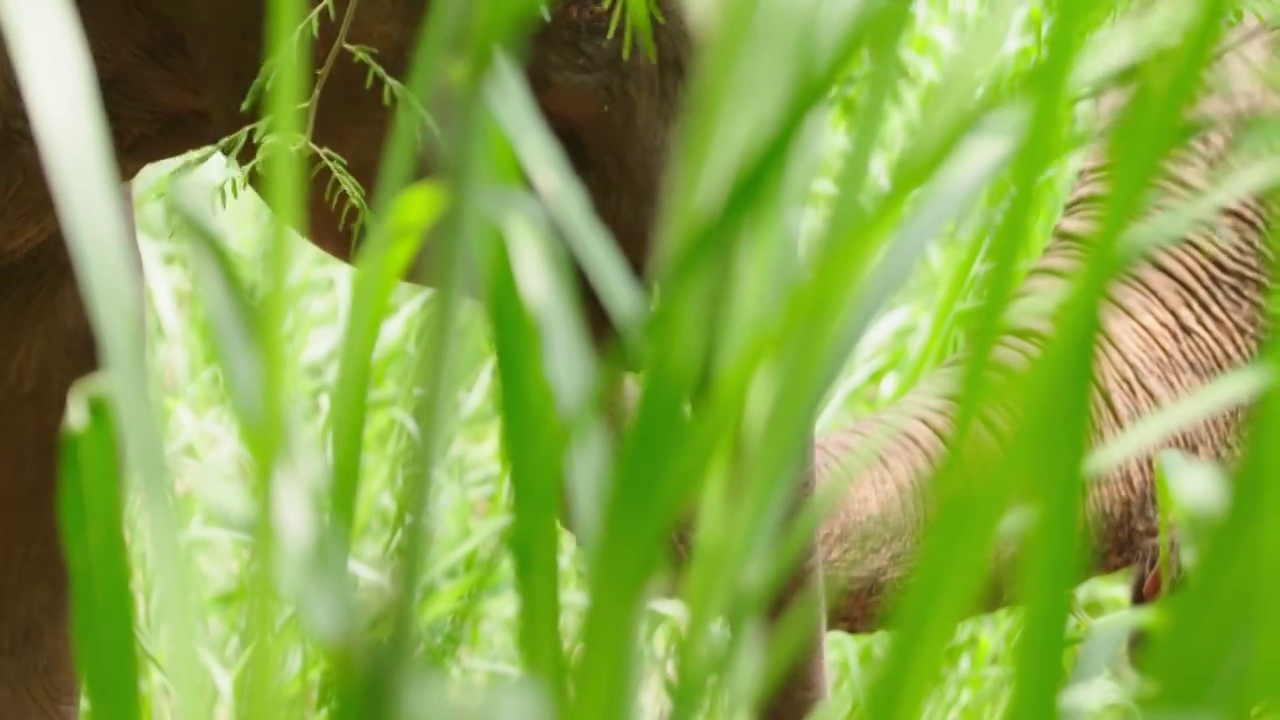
column 613, row 111
column 225, row 40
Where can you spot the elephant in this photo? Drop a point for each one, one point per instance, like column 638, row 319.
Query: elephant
column 174, row 75
column 1181, row 315
column 173, row 78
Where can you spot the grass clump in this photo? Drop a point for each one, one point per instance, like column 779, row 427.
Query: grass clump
column 343, row 495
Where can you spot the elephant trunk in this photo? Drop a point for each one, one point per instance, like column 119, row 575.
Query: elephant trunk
column 1174, row 320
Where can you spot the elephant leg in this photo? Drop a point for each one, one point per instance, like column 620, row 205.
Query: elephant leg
column 804, row 686
column 46, row 344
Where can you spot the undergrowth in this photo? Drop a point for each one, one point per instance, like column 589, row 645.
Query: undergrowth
column 323, row 528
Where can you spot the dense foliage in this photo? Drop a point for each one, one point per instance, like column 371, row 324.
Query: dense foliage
column 906, row 170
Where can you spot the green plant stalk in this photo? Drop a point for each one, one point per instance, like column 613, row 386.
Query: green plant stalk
column 1164, row 519
column 570, row 358
column 442, row 22
column 380, row 270
column 91, row 515
column 548, row 168
column 388, row 673
column 1055, row 439
column 464, row 230
column 629, row 540
column 286, row 192
column 535, row 442
column 395, row 171
column 396, row 168
column 754, row 279
column 1260, row 691
column 399, row 163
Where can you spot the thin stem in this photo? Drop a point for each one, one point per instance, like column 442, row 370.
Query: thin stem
column 329, row 61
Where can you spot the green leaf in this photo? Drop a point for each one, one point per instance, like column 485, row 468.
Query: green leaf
column 91, row 516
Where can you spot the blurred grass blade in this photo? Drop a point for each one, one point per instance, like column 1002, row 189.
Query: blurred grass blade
column 1223, row 618
column 1237, row 572
column 543, row 274
column 286, row 192
column 1238, row 388
column 50, row 58
column 1056, row 426
column 470, row 167
column 534, row 440
column 837, row 320
column 753, row 143
column 241, row 340
column 91, row 516
column 547, row 167
column 290, row 53
column 722, row 155
column 378, row 271
column 1252, row 179
column 232, row 319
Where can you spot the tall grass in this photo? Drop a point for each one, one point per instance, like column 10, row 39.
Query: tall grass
column 348, row 503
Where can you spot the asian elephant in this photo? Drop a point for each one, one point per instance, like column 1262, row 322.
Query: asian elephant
column 173, row 77
column 1180, row 316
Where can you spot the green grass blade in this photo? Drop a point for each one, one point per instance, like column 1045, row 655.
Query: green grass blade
column 237, row 335
column 398, row 164
column 286, row 192
column 1237, row 388
column 379, row 269
column 1225, row 673
column 470, row 167
column 91, row 515
column 1216, row 653
column 535, row 443
column 566, row 199
column 240, row 340
column 1057, row 426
